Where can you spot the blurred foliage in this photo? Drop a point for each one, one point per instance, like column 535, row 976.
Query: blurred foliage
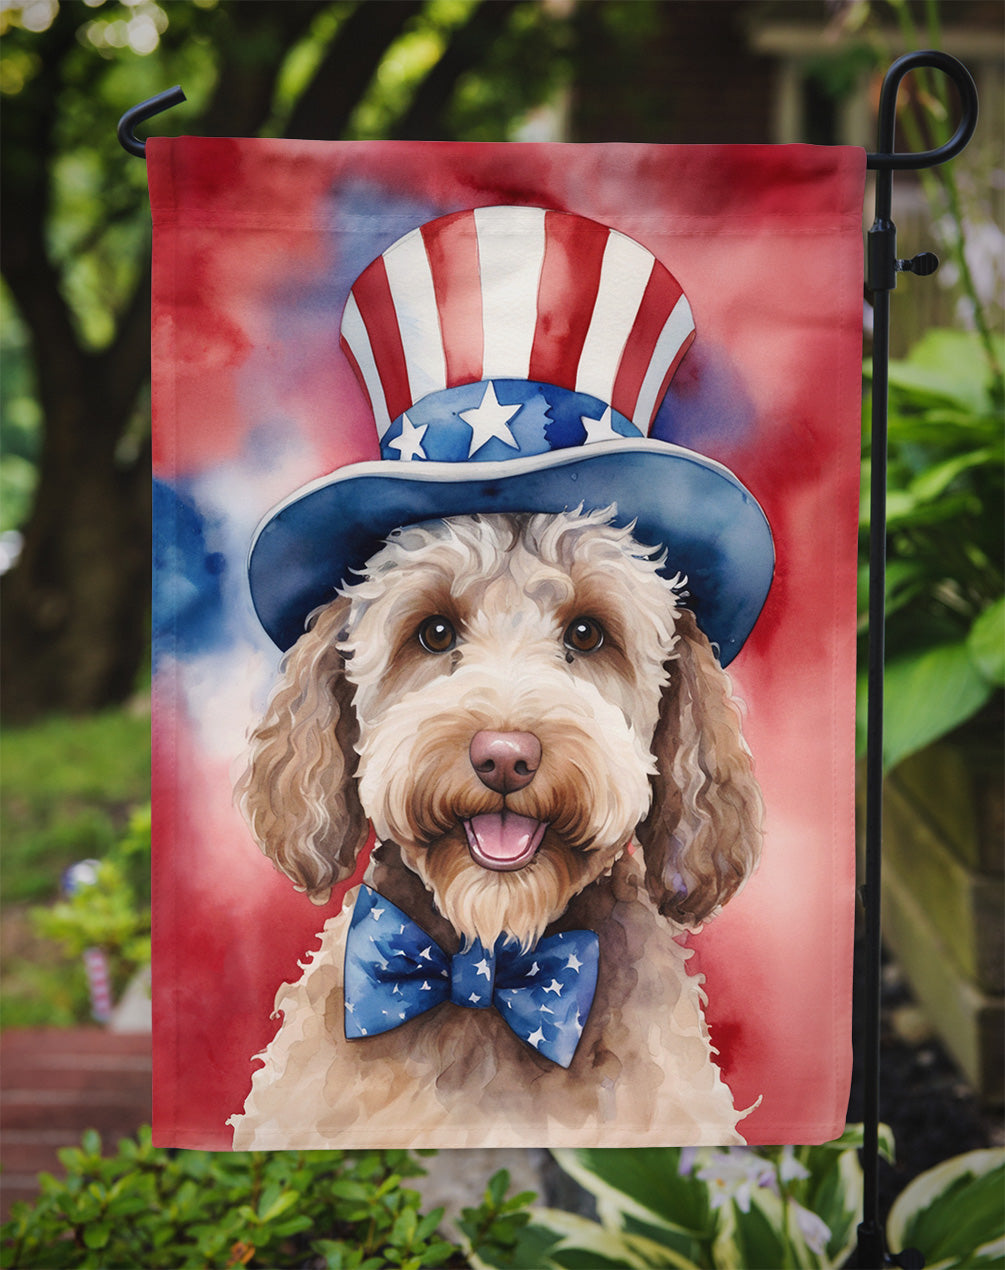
column 68, row 789
column 945, row 611
column 694, row 1208
column 175, row 1209
column 20, row 421
column 111, row 912
column 953, row 1214
column 767, row 1207
column 945, row 635
column 344, row 1210
column 38, row 987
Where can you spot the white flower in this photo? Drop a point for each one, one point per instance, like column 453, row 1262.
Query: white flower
column 733, row 1174
column 789, row 1168
column 813, row 1229
column 688, row 1158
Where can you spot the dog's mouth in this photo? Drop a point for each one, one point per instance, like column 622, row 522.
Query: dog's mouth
column 503, row 840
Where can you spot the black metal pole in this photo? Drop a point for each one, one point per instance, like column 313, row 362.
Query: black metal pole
column 870, row 1234
column 882, row 269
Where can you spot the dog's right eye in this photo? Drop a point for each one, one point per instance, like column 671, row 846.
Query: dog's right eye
column 437, row 635
column 584, row 635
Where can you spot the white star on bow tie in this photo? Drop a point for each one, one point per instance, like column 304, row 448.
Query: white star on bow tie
column 489, row 420
column 409, row 444
column 482, row 968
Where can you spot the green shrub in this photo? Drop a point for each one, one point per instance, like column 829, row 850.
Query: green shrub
column 764, row 1208
column 113, row 913
column 954, row 1214
column 945, row 632
column 757, row 1208
column 329, row 1210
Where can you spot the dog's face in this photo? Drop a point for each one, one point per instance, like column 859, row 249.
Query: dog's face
column 509, row 699
column 508, row 679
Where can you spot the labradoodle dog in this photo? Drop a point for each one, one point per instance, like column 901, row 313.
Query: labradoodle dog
column 514, row 702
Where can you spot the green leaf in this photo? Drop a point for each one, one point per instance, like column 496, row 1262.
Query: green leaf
column 933, row 481
column 582, row 1239
column 403, row 1230
column 947, row 366
column 927, row 694
column 646, row 1183
column 953, row 1213
column 853, row 1138
column 497, row 1187
column 749, row 1241
column 986, row 643
column 292, row 1226
column 97, row 1234
column 905, row 510
column 91, row 1142
column 346, row 1188
column 273, row 1205
column 436, row 1253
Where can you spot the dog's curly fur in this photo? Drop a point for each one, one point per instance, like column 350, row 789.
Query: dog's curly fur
column 640, row 739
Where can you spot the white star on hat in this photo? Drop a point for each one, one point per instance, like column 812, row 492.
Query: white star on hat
column 489, row 420
column 409, row 444
column 601, row 429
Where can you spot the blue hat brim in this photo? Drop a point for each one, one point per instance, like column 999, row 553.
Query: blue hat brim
column 714, row 531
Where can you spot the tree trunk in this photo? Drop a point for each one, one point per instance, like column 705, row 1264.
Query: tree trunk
column 75, row 608
column 74, row 616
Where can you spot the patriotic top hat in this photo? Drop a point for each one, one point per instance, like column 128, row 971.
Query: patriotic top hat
column 514, row 360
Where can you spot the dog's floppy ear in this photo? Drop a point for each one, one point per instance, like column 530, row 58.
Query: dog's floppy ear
column 298, row 791
column 702, row 837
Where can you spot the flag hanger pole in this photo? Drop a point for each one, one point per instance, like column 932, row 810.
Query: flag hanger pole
column 126, row 130
column 882, row 267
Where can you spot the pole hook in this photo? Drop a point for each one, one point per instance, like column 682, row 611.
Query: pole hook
column 888, row 159
column 145, row 110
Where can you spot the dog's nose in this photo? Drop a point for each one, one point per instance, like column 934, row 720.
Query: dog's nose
column 505, row 761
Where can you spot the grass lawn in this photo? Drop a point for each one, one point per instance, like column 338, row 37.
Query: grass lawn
column 68, row 787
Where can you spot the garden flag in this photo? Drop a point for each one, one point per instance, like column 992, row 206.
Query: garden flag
column 505, row 521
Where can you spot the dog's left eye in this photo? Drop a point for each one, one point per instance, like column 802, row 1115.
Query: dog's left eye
column 437, row 635
column 584, row 635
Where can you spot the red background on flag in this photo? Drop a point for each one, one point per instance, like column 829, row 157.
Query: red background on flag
column 256, row 246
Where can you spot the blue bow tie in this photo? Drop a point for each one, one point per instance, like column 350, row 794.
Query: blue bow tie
column 394, row 971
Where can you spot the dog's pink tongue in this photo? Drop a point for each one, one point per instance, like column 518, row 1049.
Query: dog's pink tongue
column 503, row 840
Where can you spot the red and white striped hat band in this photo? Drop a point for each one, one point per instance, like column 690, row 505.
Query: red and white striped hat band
column 516, row 293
